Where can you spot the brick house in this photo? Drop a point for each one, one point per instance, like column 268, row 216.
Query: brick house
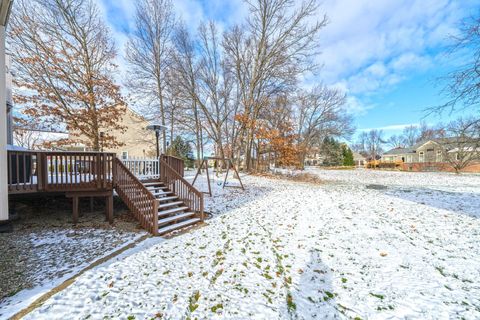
column 431, row 155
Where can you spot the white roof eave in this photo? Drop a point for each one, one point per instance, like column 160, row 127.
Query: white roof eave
column 5, row 8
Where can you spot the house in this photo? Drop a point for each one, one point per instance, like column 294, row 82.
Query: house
column 137, row 141
column 359, row 159
column 430, row 155
column 314, row 158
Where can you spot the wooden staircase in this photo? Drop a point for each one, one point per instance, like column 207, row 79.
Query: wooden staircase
column 173, row 213
column 162, row 205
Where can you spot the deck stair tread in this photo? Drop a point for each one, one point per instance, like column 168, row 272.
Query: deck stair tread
column 175, row 218
column 156, row 188
column 149, row 184
column 168, row 198
column 162, row 194
column 170, row 211
column 178, row 225
column 170, row 204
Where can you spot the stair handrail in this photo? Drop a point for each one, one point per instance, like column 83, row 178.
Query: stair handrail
column 141, row 202
column 182, row 188
column 177, row 164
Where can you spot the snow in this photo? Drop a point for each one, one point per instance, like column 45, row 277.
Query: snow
column 284, row 249
column 60, row 254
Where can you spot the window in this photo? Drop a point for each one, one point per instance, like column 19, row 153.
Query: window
column 421, row 156
column 409, row 158
column 124, row 155
column 439, row 156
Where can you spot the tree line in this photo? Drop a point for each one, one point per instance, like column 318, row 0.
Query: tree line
column 238, row 90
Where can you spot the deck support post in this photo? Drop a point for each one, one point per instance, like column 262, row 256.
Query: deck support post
column 109, row 208
column 107, row 195
column 75, row 209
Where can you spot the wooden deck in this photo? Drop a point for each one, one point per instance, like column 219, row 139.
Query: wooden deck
column 162, row 203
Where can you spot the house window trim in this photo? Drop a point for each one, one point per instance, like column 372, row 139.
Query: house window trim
column 439, row 156
column 123, row 155
column 421, row 156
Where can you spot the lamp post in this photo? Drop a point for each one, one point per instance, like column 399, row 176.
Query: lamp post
column 157, row 128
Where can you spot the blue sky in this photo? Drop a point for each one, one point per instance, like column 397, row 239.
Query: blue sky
column 386, row 55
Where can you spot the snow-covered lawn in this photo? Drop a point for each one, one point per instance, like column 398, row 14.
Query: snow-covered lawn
column 33, row 262
column 290, row 250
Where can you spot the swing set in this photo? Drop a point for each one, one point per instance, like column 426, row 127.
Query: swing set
column 229, row 164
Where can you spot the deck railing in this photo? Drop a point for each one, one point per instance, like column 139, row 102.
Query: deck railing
column 143, row 168
column 177, row 164
column 182, row 188
column 149, row 168
column 51, row 171
column 136, row 196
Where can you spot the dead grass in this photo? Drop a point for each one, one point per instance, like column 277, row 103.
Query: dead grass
column 303, row 177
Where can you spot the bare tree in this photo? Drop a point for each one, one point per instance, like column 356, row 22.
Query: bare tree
column 63, row 56
column 321, row 114
column 396, row 141
column 149, row 55
column 27, row 138
column 410, row 135
column 463, row 84
column 268, row 54
column 461, row 147
column 374, row 142
column 360, row 145
column 214, row 86
column 185, row 69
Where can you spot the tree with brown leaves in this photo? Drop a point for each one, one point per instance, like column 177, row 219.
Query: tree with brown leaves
column 63, row 57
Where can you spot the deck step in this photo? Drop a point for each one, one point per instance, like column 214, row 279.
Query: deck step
column 150, row 184
column 178, row 225
column 168, row 198
column 175, row 218
column 162, row 194
column 170, row 211
column 170, row 204
column 156, row 188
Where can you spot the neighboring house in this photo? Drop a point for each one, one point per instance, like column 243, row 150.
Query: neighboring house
column 34, row 139
column 430, row 155
column 359, row 159
column 137, row 140
column 314, row 158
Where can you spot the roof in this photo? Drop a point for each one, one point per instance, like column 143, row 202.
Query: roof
column 397, row 150
column 447, row 143
column 358, row 156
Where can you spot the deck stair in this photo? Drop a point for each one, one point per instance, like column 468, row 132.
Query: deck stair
column 163, row 205
column 172, row 213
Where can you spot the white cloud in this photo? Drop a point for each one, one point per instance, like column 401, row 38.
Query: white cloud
column 356, row 107
column 395, row 127
column 374, row 44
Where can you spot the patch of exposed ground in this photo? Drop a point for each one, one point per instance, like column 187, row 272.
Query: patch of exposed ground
column 45, row 246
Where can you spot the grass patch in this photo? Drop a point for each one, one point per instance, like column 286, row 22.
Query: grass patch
column 376, row 295
column 193, row 305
